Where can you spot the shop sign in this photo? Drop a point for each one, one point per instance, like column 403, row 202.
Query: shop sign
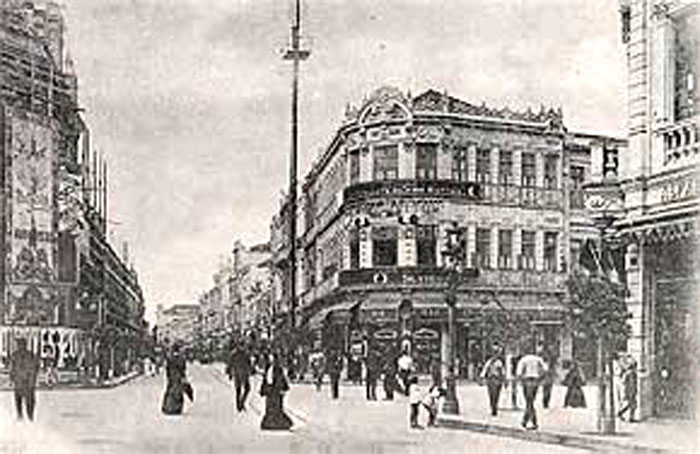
column 425, row 333
column 679, row 190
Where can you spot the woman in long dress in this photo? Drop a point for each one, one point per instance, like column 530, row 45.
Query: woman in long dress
column 574, row 387
column 177, row 386
column 273, row 387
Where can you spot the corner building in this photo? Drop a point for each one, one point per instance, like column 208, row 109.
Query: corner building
column 377, row 206
column 660, row 182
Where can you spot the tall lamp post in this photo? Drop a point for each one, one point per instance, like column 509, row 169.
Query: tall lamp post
column 604, row 203
column 455, row 255
column 296, row 54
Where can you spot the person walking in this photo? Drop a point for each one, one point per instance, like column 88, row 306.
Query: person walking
column 629, row 383
column 431, row 401
column 240, row 369
column 389, row 380
column 531, row 369
column 415, row 398
column 405, row 364
column 493, row 374
column 24, row 368
column 548, row 381
column 177, row 385
column 273, row 388
column 372, row 373
column 317, row 369
column 574, row 382
column 335, row 367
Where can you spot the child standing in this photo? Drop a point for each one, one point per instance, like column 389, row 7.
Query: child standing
column 414, row 397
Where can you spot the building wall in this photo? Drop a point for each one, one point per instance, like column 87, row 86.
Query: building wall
column 660, row 183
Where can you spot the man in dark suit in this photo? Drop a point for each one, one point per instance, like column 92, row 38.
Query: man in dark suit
column 24, row 369
column 240, row 368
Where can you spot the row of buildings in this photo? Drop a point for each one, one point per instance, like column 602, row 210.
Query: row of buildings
column 238, row 303
column 62, row 284
column 404, row 174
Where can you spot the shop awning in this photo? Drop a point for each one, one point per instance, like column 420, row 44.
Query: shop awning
column 316, row 320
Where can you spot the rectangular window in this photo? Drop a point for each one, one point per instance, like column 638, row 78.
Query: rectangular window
column 527, row 250
column 505, row 249
column 550, row 251
column 575, row 251
column 354, row 157
column 310, row 270
column 459, row 164
column 426, row 241
column 528, row 170
column 354, row 249
column 386, row 162
column 550, row 171
column 384, row 246
column 685, row 95
column 426, row 161
column 483, row 165
column 576, row 193
column 505, row 167
column 483, row 248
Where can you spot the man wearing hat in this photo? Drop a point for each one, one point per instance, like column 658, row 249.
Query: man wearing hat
column 24, row 368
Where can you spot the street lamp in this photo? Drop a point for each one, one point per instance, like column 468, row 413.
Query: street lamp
column 455, row 254
column 605, row 204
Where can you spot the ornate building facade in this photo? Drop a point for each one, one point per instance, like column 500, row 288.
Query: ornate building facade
column 660, row 183
column 402, row 175
column 61, row 283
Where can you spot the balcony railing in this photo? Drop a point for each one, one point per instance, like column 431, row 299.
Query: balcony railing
column 487, row 193
column 680, row 140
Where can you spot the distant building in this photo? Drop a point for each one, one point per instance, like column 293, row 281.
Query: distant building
column 177, row 323
column 661, row 184
column 376, row 212
column 251, row 287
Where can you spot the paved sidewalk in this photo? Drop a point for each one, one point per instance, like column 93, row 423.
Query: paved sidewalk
column 569, row 427
column 72, row 383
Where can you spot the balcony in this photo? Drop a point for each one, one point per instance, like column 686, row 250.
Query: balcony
column 485, row 193
column 680, row 140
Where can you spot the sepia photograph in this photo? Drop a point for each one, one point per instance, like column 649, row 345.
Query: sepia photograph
column 349, row 226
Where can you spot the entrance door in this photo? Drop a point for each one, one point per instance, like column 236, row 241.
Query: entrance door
column 675, row 346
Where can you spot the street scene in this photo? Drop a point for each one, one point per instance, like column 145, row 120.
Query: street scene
column 321, row 226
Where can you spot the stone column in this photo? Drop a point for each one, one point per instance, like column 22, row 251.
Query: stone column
column 494, row 247
column 471, row 162
column 539, row 168
column 495, row 159
column 517, row 246
column 539, row 250
column 407, row 246
column 366, row 164
column 517, row 166
column 640, row 343
column 366, row 247
column 471, row 245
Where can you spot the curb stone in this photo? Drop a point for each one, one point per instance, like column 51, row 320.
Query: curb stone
column 547, row 437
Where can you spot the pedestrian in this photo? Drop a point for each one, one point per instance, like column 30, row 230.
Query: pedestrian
column 389, row 380
column 548, row 382
column 531, row 369
column 414, row 398
column 493, row 374
column 317, row 369
column 335, row 367
column 177, row 385
column 239, row 369
column 574, row 381
column 431, row 402
column 405, row 365
column 372, row 373
column 274, row 386
column 24, row 368
column 629, row 381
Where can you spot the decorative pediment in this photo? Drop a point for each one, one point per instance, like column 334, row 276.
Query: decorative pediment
column 385, row 104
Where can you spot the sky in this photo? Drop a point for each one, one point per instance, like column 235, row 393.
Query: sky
column 189, row 100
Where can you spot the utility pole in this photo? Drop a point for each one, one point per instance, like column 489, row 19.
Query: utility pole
column 296, row 54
